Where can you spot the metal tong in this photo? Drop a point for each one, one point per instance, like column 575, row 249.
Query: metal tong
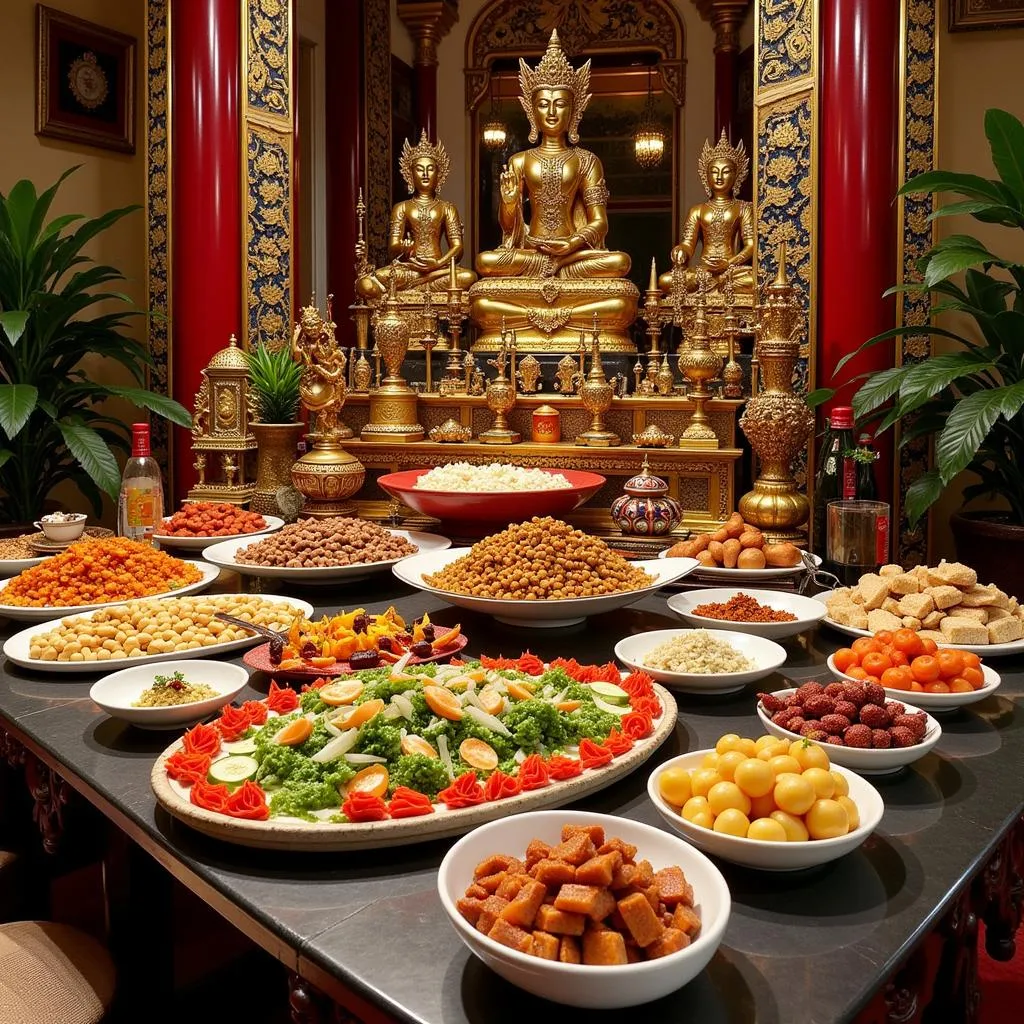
column 270, row 634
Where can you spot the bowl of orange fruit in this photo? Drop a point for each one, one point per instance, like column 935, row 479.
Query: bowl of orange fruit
column 902, row 662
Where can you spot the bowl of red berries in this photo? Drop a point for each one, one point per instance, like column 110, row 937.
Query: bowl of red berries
column 859, row 727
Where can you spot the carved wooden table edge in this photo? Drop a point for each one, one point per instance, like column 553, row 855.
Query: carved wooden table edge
column 941, row 974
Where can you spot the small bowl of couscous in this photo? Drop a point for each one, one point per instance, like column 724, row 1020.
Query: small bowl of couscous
column 701, row 660
column 169, row 695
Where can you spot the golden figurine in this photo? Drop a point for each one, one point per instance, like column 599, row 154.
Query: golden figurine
column 596, row 395
column 528, row 375
column 664, row 382
column 777, row 421
column 551, row 275
column 418, row 228
column 322, row 388
column 724, row 225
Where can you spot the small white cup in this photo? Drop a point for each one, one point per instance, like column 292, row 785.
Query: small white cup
column 63, row 532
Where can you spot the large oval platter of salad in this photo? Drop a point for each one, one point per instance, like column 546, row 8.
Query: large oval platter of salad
column 404, row 753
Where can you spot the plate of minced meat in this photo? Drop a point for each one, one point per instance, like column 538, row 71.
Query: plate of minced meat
column 767, row 613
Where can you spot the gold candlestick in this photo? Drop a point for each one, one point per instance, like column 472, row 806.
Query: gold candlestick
column 501, row 399
column 597, row 395
column 652, row 308
column 455, row 312
column 732, row 374
column 699, row 364
column 393, row 403
column 777, row 421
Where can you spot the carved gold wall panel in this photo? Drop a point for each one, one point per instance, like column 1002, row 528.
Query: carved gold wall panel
column 267, row 168
column 158, row 212
column 919, row 42
column 377, row 105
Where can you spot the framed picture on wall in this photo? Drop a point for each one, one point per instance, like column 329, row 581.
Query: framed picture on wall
column 85, row 81
column 968, row 14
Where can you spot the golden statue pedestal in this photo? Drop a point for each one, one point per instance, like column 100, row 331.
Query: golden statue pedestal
column 328, row 476
column 548, row 314
column 392, row 416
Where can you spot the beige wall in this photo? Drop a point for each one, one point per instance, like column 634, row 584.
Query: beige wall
column 977, row 70
column 105, row 180
column 454, row 126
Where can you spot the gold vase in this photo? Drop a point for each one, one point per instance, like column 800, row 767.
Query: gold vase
column 327, row 476
column 596, row 395
column 776, row 421
column 393, row 405
column 274, row 457
column 699, row 363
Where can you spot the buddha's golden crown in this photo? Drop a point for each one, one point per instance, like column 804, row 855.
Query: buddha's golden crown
column 724, row 150
column 555, row 72
column 424, row 148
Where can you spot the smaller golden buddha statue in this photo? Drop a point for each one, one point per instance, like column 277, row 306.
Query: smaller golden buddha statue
column 419, row 227
column 322, row 387
column 724, row 225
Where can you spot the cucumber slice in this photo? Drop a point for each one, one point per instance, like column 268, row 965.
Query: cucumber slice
column 240, row 747
column 233, row 770
column 610, row 692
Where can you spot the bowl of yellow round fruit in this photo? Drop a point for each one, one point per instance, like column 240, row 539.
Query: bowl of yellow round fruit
column 766, row 803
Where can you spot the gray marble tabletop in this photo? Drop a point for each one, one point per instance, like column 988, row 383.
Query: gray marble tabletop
column 809, row 946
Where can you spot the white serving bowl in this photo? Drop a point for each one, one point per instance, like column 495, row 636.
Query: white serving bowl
column 538, row 613
column 765, row 654
column 807, row 611
column 169, row 540
column 757, row 853
column 65, row 531
column 861, row 759
column 575, row 984
column 933, row 701
column 116, row 691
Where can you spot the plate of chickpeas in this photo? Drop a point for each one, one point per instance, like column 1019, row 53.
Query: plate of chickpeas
column 150, row 630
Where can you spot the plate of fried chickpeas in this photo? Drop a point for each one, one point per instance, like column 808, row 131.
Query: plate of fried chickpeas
column 542, row 573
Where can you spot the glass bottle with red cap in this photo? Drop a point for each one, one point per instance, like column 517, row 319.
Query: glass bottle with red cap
column 837, row 470
column 141, row 504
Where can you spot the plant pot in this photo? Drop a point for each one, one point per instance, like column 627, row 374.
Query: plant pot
column 993, row 546
column 277, row 447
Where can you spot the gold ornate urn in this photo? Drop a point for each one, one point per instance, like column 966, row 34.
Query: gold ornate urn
column 699, row 363
column 776, row 421
column 501, row 400
column 596, row 395
column 393, row 403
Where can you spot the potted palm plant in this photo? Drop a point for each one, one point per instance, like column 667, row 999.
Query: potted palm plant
column 52, row 428
column 274, row 377
column 968, row 399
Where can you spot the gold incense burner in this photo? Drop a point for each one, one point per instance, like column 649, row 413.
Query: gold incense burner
column 450, row 432
column 652, row 436
column 597, row 394
column 224, row 408
column 777, row 421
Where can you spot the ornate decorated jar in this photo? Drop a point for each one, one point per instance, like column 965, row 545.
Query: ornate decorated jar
column 646, row 509
column 546, row 425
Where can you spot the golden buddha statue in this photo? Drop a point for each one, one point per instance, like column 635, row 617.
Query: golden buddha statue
column 418, row 228
column 724, row 225
column 551, row 274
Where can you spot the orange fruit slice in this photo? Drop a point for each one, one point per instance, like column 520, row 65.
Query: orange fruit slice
column 373, row 780
column 417, row 745
column 569, row 705
column 490, row 700
column 344, row 691
column 294, row 734
column 323, row 662
column 520, row 691
column 360, row 714
column 446, row 639
column 478, row 754
column 443, row 703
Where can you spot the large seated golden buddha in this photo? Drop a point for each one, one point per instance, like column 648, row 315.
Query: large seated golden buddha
column 553, row 273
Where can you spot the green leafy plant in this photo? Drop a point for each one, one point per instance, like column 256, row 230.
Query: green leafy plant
column 275, row 377
column 50, row 428
column 968, row 400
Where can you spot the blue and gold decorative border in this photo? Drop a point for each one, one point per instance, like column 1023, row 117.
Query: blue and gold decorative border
column 919, row 44
column 267, row 169
column 786, row 96
column 158, row 218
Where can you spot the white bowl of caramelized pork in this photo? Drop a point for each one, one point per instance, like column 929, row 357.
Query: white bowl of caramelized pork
column 585, row 909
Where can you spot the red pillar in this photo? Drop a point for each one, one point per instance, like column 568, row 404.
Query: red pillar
column 725, row 92
column 343, row 43
column 428, row 22
column 857, row 184
column 206, row 203
column 426, row 97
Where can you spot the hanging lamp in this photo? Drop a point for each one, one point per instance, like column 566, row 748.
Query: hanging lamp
column 493, row 132
column 649, row 137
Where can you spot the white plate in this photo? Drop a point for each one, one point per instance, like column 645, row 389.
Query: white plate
column 16, row 648
column 807, row 611
column 861, row 759
column 934, row 701
column 165, row 540
column 537, row 614
column 576, row 984
column 12, row 566
column 756, row 853
column 209, row 573
column 743, row 575
column 982, row 650
column 223, row 554
column 766, row 654
column 115, row 692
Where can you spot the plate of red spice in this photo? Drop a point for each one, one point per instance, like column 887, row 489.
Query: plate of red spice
column 771, row 614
